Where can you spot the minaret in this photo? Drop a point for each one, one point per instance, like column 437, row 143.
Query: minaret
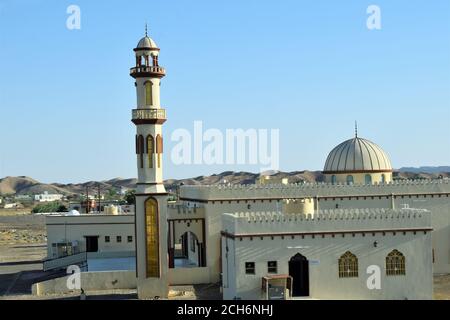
column 151, row 196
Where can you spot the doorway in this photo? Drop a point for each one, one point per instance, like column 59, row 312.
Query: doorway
column 299, row 271
column 91, row 243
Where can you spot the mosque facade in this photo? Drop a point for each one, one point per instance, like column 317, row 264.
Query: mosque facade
column 358, row 235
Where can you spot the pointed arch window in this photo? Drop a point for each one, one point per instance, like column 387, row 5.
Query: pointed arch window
column 137, row 144
column 348, row 265
column 383, row 178
column 333, row 179
column 148, row 93
column 150, row 150
column 349, row 179
column 152, row 238
column 368, row 179
column 159, row 149
column 140, row 149
column 395, row 263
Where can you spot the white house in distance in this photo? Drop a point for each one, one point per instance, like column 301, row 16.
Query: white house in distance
column 47, row 197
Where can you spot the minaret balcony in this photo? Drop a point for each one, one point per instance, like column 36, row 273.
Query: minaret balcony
column 149, row 116
column 147, row 71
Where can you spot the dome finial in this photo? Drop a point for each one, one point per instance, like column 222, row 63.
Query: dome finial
column 146, row 29
column 356, row 129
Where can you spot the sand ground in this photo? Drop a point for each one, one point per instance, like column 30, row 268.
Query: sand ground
column 23, row 246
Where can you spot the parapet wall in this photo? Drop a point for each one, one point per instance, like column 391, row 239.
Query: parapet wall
column 326, row 221
column 305, row 190
column 181, row 211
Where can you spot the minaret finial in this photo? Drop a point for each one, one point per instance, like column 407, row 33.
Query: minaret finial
column 146, row 29
column 356, row 129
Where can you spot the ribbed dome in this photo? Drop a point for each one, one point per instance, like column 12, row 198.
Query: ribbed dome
column 147, row 42
column 357, row 154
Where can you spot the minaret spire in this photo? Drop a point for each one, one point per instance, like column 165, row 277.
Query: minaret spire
column 151, row 197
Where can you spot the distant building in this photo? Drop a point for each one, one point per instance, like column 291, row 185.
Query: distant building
column 124, row 190
column 47, row 197
column 272, row 180
column 23, row 197
column 13, row 205
column 94, row 206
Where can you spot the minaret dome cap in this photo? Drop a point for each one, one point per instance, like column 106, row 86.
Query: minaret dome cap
column 146, row 43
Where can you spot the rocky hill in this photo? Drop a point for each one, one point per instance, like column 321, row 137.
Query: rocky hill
column 27, row 185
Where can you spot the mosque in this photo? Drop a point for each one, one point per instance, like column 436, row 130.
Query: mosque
column 358, row 235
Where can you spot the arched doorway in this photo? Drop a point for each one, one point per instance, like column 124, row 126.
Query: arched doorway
column 186, row 241
column 299, row 271
column 188, row 251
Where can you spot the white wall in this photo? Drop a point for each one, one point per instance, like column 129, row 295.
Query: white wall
column 90, row 281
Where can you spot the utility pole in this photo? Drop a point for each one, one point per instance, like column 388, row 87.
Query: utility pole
column 87, row 199
column 99, row 199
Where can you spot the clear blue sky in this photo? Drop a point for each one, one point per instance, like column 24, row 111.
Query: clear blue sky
column 308, row 68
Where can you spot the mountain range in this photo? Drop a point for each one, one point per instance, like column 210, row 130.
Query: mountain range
column 25, row 185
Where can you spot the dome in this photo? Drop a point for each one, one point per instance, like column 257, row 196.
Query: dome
column 357, row 155
column 147, row 43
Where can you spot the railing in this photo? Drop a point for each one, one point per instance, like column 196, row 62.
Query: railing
column 148, row 69
column 145, row 114
column 64, row 261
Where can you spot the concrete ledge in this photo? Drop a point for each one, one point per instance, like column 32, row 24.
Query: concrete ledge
column 90, row 281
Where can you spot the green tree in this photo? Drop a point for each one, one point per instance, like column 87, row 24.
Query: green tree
column 130, row 197
column 49, row 207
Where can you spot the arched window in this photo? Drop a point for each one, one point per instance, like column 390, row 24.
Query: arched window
column 152, row 237
column 148, row 93
column 159, row 148
column 333, row 179
column 368, row 179
column 395, row 263
column 383, row 178
column 140, row 149
column 137, row 144
column 348, row 265
column 150, row 150
column 349, row 179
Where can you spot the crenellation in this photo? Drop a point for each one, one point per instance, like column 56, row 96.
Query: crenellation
column 247, row 192
column 331, row 214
